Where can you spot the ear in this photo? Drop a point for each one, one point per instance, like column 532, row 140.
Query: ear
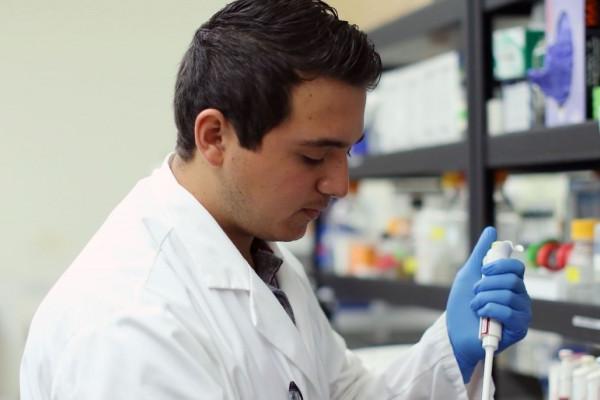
column 211, row 132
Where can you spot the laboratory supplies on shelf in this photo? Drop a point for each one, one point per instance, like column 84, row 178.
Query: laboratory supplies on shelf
column 579, row 269
column 584, row 195
column 518, row 110
column 546, row 77
column 593, row 385
column 592, row 53
column 578, row 380
column 417, row 105
column 571, row 67
column 379, row 230
column 509, row 223
column 596, row 257
column 368, row 233
column 574, row 376
column 517, row 46
column 551, row 254
column 564, row 270
column 513, row 51
column 345, row 221
column 440, row 232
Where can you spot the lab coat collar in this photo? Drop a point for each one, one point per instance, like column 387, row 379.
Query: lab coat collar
column 217, row 263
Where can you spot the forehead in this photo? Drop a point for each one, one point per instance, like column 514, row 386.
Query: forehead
column 324, row 110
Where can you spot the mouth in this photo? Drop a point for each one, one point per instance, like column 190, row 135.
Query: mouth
column 311, row 213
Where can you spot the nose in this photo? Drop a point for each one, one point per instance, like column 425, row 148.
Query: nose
column 334, row 183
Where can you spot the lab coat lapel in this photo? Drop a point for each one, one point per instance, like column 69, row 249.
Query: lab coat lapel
column 297, row 291
column 290, row 284
column 212, row 259
column 273, row 323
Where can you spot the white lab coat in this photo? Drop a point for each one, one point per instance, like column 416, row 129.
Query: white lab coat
column 161, row 305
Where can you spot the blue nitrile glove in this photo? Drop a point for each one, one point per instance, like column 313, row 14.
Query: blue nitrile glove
column 501, row 296
column 556, row 77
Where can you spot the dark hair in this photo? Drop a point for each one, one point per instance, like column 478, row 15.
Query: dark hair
column 245, row 60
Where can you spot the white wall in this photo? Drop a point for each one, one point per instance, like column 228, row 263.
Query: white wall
column 85, row 110
column 368, row 15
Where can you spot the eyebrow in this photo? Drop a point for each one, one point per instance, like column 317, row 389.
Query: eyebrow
column 329, row 143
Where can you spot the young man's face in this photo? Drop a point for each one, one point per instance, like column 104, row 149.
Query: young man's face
column 274, row 192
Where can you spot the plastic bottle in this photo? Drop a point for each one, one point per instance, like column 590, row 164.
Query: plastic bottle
column 567, row 364
column 553, row 380
column 508, row 221
column 593, row 386
column 579, row 383
column 440, row 233
column 597, row 252
column 579, row 270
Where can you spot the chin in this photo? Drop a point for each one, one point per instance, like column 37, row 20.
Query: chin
column 287, row 235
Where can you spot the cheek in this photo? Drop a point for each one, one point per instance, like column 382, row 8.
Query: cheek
column 291, row 186
column 297, row 189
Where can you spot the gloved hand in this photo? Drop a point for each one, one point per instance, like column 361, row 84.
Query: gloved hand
column 501, row 295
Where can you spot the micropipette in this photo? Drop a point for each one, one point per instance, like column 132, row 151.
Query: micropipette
column 490, row 330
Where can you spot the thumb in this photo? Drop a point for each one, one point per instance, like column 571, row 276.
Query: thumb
column 488, row 236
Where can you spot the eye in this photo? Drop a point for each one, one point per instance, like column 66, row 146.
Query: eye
column 349, row 152
column 312, row 161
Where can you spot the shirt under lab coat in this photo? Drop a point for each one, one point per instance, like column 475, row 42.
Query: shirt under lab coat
column 161, row 305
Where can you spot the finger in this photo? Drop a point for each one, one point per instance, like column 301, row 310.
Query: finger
column 505, row 315
column 519, row 302
column 488, row 236
column 510, row 282
column 503, row 266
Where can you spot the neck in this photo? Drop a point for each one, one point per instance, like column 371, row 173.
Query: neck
column 201, row 184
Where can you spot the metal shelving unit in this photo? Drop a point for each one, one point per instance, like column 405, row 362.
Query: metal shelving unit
column 576, row 321
column 428, row 161
column 552, row 149
column 421, row 34
column 438, row 16
column 497, row 5
column 396, row 292
column 544, row 150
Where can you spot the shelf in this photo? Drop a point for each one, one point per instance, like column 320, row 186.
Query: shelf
column 427, row 161
column 495, row 5
column 573, row 320
column 553, row 149
column 395, row 292
column 437, row 16
column 422, row 34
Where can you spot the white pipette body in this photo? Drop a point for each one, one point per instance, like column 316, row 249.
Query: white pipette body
column 490, row 330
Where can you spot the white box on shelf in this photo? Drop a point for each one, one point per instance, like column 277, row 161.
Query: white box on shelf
column 495, row 118
column 419, row 105
column 544, row 285
column 517, row 112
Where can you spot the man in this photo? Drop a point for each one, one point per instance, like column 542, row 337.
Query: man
column 183, row 292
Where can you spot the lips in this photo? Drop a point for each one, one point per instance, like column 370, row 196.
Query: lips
column 311, row 213
column 314, row 209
